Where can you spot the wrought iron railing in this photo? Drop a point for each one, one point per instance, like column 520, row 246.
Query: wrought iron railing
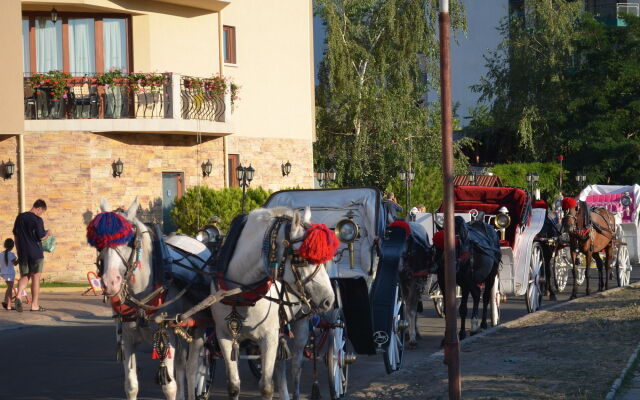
column 88, row 97
column 203, row 98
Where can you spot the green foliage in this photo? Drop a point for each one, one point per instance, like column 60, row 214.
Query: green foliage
column 516, row 175
column 370, row 119
column 426, row 189
column 193, row 210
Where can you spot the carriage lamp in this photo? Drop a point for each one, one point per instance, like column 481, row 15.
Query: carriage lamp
column 286, row 168
column 9, row 168
column 347, row 232
column 210, row 235
column 625, row 200
column 206, row 168
column 473, row 178
column 117, row 167
column 502, row 221
column 439, row 219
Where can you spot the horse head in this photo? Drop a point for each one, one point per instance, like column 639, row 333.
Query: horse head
column 125, row 249
column 571, row 211
column 285, row 234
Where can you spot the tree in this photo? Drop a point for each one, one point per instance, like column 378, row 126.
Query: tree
column 604, row 110
column 525, row 81
column 370, row 118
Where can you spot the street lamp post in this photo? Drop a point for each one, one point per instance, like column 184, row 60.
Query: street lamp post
column 326, row 177
column 244, row 175
column 407, row 177
column 581, row 178
column 473, row 178
column 533, row 178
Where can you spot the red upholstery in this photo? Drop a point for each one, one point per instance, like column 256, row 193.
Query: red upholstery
column 489, row 200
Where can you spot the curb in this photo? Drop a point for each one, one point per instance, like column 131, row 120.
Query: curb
column 623, row 375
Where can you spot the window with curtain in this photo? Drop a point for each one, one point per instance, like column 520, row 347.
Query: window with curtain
column 114, row 37
column 229, row 42
column 26, row 57
column 48, row 45
column 75, row 51
column 82, row 46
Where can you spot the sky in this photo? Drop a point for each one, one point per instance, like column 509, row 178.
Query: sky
column 467, row 62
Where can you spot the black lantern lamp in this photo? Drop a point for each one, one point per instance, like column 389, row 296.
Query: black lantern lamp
column 54, row 15
column 581, row 178
column 473, row 178
column 9, row 169
column 117, row 167
column 244, row 177
column 326, row 177
column 286, row 169
column 407, row 177
column 206, row 168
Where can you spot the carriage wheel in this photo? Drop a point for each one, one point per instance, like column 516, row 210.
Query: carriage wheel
column 337, row 362
column 394, row 348
column 580, row 268
column 206, row 373
column 255, row 366
column 535, row 287
column 495, row 302
column 623, row 266
column 561, row 264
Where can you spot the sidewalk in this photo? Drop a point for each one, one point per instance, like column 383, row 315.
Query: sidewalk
column 65, row 307
column 631, row 391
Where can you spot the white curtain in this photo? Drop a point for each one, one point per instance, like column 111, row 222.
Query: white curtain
column 115, row 44
column 26, row 54
column 48, row 44
column 82, row 48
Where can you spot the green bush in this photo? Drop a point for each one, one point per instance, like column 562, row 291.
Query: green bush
column 516, row 175
column 426, row 189
column 193, row 210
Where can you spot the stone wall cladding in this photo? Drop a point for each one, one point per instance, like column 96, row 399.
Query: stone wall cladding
column 71, row 171
column 266, row 155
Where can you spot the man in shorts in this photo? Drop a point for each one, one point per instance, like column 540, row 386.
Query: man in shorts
column 29, row 232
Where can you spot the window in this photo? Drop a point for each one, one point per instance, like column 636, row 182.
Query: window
column 229, row 37
column 78, row 44
column 232, row 163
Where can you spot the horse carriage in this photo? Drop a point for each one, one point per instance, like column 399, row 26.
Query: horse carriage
column 369, row 310
column 510, row 211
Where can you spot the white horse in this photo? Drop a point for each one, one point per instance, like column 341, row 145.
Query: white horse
column 117, row 264
column 261, row 323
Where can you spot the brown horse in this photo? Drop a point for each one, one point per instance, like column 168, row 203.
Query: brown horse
column 590, row 231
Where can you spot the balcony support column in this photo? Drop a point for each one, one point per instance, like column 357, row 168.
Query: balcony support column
column 176, row 96
column 21, row 182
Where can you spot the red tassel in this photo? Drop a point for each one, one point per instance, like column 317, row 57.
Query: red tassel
column 568, row 203
column 155, row 355
column 320, row 244
column 402, row 224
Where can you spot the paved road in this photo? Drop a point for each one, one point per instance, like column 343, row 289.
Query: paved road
column 69, row 352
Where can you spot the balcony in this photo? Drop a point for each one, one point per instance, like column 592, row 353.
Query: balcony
column 152, row 103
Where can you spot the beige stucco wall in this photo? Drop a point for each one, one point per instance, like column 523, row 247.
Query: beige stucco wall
column 274, row 68
column 11, row 114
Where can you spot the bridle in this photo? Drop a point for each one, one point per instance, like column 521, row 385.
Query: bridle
column 130, row 263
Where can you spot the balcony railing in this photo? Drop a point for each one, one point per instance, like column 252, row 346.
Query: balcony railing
column 144, row 96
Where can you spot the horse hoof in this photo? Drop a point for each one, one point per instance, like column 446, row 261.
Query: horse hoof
column 413, row 344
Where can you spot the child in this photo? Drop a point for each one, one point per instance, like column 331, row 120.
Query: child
column 8, row 260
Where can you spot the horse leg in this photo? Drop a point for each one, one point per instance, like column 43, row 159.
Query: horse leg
column 280, row 378
column 268, row 347
column 574, row 272
column 130, row 367
column 486, row 296
column 180, row 370
column 596, row 256
column 475, row 295
column 462, row 310
column 609, row 257
column 586, row 271
column 547, row 272
column 170, row 390
column 301, row 329
column 233, row 377
column 410, row 288
column 193, row 363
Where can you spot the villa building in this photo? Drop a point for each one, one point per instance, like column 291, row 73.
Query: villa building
column 156, row 90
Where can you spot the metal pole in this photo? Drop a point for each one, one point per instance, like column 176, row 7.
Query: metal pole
column 244, row 188
column 407, row 194
column 451, row 343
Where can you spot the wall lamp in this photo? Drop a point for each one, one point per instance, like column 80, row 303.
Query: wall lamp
column 206, row 168
column 54, row 15
column 286, row 168
column 117, row 167
column 9, row 168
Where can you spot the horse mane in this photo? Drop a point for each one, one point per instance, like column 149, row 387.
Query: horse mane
column 267, row 214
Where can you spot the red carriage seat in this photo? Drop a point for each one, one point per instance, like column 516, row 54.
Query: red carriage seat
column 490, row 199
column 612, row 203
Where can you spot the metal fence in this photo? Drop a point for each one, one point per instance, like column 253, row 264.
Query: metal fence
column 202, row 99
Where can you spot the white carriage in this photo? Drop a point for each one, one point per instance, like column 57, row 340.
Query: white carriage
column 624, row 203
column 509, row 209
column 369, row 308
